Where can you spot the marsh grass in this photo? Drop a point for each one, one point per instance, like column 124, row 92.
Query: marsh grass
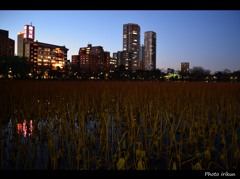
column 120, row 125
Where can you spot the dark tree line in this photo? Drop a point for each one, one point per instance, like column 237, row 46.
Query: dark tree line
column 14, row 67
column 200, row 74
column 19, row 68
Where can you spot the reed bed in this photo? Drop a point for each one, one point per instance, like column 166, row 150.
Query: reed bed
column 93, row 125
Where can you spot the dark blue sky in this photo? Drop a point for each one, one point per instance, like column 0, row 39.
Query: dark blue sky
column 210, row 39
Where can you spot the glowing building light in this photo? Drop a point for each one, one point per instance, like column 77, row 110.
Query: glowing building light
column 31, row 127
column 24, row 128
column 19, row 128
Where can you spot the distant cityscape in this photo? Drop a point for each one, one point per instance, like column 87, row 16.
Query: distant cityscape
column 134, row 62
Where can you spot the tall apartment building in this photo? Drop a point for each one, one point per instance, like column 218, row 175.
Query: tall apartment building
column 123, row 58
column 131, row 43
column 6, row 44
column 150, row 50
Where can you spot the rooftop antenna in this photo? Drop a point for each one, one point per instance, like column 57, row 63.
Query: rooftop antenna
column 31, row 23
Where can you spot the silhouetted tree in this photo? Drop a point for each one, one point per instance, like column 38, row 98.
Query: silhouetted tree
column 219, row 76
column 226, row 74
column 18, row 66
column 236, row 75
column 119, row 73
column 155, row 74
column 199, row 73
column 140, row 74
column 184, row 74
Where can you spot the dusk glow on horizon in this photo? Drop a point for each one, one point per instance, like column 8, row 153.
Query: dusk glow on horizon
column 206, row 38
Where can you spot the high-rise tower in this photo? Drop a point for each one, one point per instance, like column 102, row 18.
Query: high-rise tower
column 20, row 45
column 150, row 50
column 27, row 36
column 131, row 43
column 29, row 33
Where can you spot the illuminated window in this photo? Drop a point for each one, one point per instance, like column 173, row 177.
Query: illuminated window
column 134, row 32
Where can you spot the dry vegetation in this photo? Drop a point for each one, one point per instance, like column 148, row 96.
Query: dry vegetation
column 120, row 125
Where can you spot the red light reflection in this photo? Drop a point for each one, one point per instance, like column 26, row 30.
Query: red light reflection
column 23, row 129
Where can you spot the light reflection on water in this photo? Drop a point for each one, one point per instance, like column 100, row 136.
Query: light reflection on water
column 38, row 148
column 22, row 128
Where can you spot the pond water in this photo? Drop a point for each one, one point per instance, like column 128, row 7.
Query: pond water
column 26, row 145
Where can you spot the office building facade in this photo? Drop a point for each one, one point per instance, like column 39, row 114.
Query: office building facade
column 7, row 45
column 20, row 44
column 91, row 59
column 45, row 58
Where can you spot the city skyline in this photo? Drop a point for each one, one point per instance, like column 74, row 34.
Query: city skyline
column 209, row 39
